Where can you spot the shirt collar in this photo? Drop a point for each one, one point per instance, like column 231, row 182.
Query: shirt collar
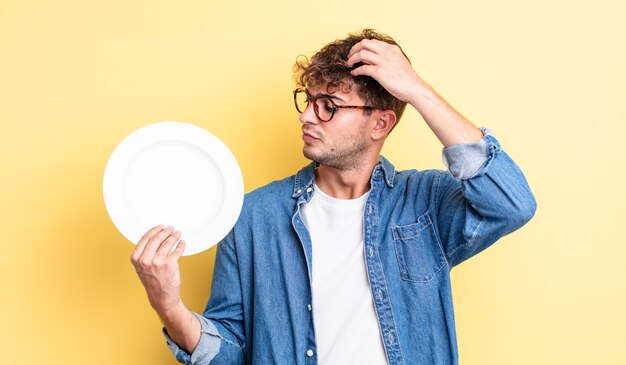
column 306, row 177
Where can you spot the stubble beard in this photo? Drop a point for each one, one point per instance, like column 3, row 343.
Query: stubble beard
column 345, row 155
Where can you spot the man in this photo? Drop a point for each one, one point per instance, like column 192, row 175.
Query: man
column 348, row 261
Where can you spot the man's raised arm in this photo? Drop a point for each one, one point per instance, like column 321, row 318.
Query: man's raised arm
column 389, row 66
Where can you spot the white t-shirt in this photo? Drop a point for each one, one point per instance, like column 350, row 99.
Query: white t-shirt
column 346, row 328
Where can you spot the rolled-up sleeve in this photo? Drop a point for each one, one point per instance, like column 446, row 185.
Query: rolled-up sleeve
column 483, row 197
column 467, row 160
column 205, row 351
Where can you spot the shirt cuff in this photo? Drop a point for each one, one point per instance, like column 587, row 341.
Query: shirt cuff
column 205, row 351
column 468, row 160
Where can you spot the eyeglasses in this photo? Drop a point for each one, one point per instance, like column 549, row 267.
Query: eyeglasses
column 323, row 106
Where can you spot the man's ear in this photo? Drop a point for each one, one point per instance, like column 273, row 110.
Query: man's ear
column 385, row 121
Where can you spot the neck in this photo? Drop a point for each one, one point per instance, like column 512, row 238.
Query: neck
column 345, row 184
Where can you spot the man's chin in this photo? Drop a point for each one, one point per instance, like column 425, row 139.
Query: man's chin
column 308, row 154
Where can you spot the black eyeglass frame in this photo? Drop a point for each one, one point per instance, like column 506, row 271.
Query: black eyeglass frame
column 310, row 99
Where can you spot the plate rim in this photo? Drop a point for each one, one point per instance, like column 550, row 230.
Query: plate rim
column 219, row 152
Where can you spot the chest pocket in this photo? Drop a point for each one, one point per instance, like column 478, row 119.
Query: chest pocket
column 419, row 254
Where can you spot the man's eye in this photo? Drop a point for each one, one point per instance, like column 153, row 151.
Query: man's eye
column 327, row 104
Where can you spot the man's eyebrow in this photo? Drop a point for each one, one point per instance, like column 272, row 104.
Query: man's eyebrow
column 324, row 95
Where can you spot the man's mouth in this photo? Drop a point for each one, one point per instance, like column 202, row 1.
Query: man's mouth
column 309, row 137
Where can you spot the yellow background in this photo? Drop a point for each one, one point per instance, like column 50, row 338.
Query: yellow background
column 76, row 77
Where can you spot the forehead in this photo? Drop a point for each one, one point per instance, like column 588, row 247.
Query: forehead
column 344, row 91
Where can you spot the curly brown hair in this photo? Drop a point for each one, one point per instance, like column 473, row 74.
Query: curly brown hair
column 329, row 66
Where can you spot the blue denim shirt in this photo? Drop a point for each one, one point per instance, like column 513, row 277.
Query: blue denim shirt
column 417, row 226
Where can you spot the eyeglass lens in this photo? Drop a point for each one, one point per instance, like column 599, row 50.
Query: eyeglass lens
column 323, row 107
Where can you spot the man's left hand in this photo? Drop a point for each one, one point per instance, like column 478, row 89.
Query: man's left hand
column 386, row 64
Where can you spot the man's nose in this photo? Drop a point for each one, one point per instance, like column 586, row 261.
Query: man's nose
column 308, row 115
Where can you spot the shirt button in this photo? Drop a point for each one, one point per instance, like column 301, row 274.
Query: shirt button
column 391, row 338
column 308, row 306
column 309, row 190
column 371, row 252
column 309, row 353
column 380, row 294
column 298, row 191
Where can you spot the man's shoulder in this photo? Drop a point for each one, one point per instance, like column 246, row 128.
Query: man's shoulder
column 277, row 189
column 406, row 178
column 283, row 189
column 421, row 177
column 271, row 200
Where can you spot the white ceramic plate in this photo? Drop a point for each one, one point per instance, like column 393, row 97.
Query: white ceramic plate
column 177, row 174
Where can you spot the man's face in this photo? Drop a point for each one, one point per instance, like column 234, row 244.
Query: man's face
column 342, row 142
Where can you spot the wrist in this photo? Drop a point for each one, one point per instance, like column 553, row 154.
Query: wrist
column 421, row 95
column 172, row 313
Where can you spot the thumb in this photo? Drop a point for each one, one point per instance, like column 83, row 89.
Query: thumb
column 367, row 70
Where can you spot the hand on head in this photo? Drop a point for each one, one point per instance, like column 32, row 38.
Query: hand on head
column 387, row 64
